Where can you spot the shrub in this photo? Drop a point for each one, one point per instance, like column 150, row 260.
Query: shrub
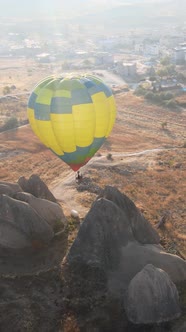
column 149, row 95
column 140, row 91
column 109, row 156
column 171, row 103
column 6, row 90
column 156, row 98
column 164, row 125
column 168, row 96
column 10, row 124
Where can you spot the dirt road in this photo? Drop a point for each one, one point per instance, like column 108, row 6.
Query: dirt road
column 65, row 191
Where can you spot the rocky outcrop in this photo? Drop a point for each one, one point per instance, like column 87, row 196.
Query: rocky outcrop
column 114, row 243
column 9, row 188
column 141, row 228
column 27, row 220
column 111, row 236
column 22, row 217
column 49, row 211
column 152, row 297
column 11, row 237
column 35, row 186
column 135, row 256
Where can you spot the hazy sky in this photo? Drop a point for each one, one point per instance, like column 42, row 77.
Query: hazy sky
column 37, row 7
column 31, row 7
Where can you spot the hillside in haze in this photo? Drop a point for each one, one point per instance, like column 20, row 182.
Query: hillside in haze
column 121, row 11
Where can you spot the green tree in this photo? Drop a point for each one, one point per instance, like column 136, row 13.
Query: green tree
column 168, row 96
column 171, row 103
column 149, row 95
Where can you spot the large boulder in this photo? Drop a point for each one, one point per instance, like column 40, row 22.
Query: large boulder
column 11, row 237
column 102, row 234
column 152, row 297
column 51, row 212
column 135, row 256
column 9, row 188
column 108, row 236
column 35, row 186
column 142, row 230
column 22, row 217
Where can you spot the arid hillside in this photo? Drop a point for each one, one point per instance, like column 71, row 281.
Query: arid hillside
column 144, row 157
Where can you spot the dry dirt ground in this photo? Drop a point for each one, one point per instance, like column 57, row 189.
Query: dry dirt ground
column 147, row 163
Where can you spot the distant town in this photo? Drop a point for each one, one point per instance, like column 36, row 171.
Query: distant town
column 135, row 55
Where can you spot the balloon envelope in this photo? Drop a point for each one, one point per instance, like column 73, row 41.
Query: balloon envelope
column 72, row 116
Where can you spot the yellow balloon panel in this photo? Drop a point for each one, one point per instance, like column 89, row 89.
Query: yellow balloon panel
column 84, row 124
column 102, row 114
column 112, row 114
column 44, row 132
column 44, row 96
column 48, row 137
column 63, row 127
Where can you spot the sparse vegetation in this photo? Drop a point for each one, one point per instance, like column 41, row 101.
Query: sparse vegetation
column 10, row 124
column 163, row 99
column 109, row 156
column 6, row 90
column 171, row 103
column 164, row 125
column 140, row 91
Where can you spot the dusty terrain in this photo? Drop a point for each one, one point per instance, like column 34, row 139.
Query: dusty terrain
column 147, row 162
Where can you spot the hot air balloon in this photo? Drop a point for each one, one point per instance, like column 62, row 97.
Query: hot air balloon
column 72, row 116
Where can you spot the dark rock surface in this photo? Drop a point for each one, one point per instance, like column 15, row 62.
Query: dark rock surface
column 86, row 290
column 9, row 188
column 152, row 297
column 35, row 186
column 25, row 219
column 33, row 231
column 114, row 243
column 141, row 228
column 51, row 212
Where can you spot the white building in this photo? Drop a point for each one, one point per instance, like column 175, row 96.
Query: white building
column 152, row 49
column 180, row 54
column 127, row 69
column 104, row 58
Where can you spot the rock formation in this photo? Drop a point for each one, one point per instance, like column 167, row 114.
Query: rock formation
column 152, row 297
column 25, row 219
column 28, row 221
column 51, row 212
column 35, row 186
column 114, row 243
